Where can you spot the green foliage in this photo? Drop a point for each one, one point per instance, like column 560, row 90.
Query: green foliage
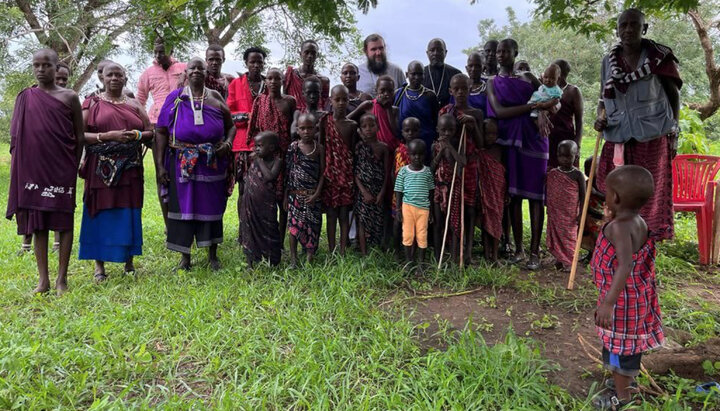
column 592, row 17
column 541, row 44
column 692, row 138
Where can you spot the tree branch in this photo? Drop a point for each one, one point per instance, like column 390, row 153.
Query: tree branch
column 33, row 21
column 712, row 71
column 238, row 21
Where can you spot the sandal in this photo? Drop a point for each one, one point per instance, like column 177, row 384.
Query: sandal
column 516, row 258
column 610, row 401
column 533, row 262
column 100, row 277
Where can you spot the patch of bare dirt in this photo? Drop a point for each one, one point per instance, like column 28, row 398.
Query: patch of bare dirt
column 493, row 311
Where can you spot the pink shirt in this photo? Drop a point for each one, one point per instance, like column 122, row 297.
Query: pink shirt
column 160, row 83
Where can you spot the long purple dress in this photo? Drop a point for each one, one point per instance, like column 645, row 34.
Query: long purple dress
column 526, row 151
column 198, row 187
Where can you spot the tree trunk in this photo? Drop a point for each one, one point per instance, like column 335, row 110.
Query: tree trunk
column 708, row 108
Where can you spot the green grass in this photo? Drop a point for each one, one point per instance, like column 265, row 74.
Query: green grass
column 264, row 339
column 314, row 338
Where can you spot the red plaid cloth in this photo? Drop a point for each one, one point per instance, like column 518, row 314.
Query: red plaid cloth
column 562, row 200
column 636, row 319
column 656, row 156
column 293, row 86
column 443, row 180
column 493, row 189
column 472, row 153
column 339, row 179
column 402, row 158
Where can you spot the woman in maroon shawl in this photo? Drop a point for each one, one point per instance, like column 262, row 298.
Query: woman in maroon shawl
column 193, row 164
column 115, row 129
column 46, row 139
column 526, row 151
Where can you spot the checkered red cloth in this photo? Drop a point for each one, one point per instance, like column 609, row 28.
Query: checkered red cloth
column 562, row 198
column 493, row 188
column 636, row 321
column 656, row 156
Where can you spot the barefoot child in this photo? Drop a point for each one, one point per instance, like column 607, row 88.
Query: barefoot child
column 372, row 173
column 548, row 91
column 258, row 213
column 338, row 138
column 305, row 169
column 565, row 196
column 274, row 112
column 444, row 158
column 623, row 265
column 413, row 189
column 46, row 139
column 471, row 119
column 410, row 131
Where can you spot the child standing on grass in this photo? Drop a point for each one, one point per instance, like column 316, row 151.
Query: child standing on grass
column 305, row 178
column 623, row 265
column 372, row 173
column 565, row 196
column 410, row 131
column 258, row 212
column 413, row 189
column 445, row 155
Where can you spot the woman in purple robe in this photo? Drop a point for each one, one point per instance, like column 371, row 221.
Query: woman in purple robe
column 194, row 140
column 115, row 129
column 526, row 152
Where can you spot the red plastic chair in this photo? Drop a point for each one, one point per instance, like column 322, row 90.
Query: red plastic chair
column 692, row 193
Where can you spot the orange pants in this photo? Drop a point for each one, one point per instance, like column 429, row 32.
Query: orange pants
column 415, row 225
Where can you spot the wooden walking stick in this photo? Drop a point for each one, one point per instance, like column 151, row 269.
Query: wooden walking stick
column 452, row 187
column 462, row 209
column 586, row 203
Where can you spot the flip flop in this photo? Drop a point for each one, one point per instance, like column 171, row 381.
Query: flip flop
column 100, row 277
column 708, row 387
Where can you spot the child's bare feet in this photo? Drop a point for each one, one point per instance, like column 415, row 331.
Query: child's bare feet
column 61, row 285
column 42, row 288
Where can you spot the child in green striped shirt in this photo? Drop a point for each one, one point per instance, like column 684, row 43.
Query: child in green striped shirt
column 413, row 190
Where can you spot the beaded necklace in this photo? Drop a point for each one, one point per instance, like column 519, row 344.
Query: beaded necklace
column 104, row 97
column 420, row 91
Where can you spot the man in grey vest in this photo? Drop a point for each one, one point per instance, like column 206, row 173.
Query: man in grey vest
column 639, row 92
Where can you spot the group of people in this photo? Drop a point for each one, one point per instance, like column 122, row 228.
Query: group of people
column 397, row 159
